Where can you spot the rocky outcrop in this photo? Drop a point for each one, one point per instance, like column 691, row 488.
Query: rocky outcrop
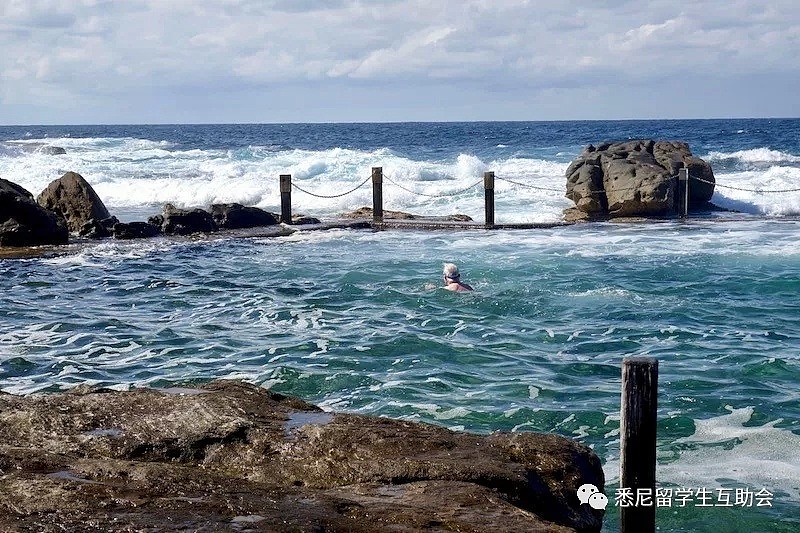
column 236, row 216
column 635, row 178
column 135, row 230
column 366, row 212
column 175, row 221
column 230, row 456
column 73, row 198
column 23, row 222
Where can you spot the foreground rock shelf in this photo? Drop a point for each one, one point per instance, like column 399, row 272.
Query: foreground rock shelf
column 233, row 457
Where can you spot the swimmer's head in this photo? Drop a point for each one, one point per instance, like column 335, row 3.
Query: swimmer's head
column 450, row 272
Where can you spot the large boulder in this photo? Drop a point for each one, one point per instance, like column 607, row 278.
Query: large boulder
column 235, row 216
column 636, row 178
column 175, row 221
column 73, row 198
column 23, row 222
column 230, row 456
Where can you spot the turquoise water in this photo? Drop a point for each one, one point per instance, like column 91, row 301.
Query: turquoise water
column 345, row 319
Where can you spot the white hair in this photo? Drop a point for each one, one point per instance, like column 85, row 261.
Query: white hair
column 450, row 271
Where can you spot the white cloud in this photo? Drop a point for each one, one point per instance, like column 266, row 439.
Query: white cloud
column 76, row 51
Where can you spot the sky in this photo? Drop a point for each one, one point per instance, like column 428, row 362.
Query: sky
column 231, row 61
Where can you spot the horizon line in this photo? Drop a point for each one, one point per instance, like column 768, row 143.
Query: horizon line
column 391, row 122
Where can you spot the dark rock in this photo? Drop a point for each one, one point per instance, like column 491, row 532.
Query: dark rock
column 135, row 230
column 156, row 220
column 233, row 455
column 299, row 220
column 73, row 198
column 23, row 222
column 635, row 178
column 175, row 221
column 12, row 188
column 98, row 229
column 235, row 216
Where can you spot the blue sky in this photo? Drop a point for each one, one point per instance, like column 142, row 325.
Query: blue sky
column 162, row 61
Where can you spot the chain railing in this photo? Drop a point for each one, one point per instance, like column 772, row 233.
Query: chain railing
column 757, row 191
column 329, row 196
column 552, row 189
column 488, row 182
column 438, row 195
column 528, row 185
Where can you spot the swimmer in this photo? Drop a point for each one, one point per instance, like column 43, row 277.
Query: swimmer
column 452, row 279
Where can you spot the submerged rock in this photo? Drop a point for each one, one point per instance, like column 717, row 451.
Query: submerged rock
column 73, row 198
column 230, row 455
column 236, row 216
column 52, row 150
column 175, row 221
column 635, row 178
column 366, row 212
column 23, row 222
column 37, row 147
column 135, row 230
column 300, row 220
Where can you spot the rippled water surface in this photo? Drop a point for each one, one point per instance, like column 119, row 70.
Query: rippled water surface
column 346, row 319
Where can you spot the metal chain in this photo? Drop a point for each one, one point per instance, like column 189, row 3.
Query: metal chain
column 440, row 195
column 354, row 189
column 759, row 191
column 559, row 190
column 529, row 186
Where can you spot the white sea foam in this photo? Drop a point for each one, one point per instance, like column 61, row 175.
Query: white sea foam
column 74, row 260
column 605, row 293
column 759, row 198
column 137, row 174
column 754, row 155
column 723, row 449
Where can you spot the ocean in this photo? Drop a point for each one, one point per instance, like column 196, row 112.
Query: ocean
column 345, row 318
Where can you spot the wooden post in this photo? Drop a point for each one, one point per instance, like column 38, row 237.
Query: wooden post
column 286, row 198
column 377, row 194
column 683, row 192
column 638, row 421
column 488, row 186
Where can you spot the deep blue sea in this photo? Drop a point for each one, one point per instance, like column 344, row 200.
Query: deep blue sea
column 346, row 318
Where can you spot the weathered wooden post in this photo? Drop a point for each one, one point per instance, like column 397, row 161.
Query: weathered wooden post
column 488, row 186
column 377, row 194
column 638, row 421
column 286, row 198
column 683, row 192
